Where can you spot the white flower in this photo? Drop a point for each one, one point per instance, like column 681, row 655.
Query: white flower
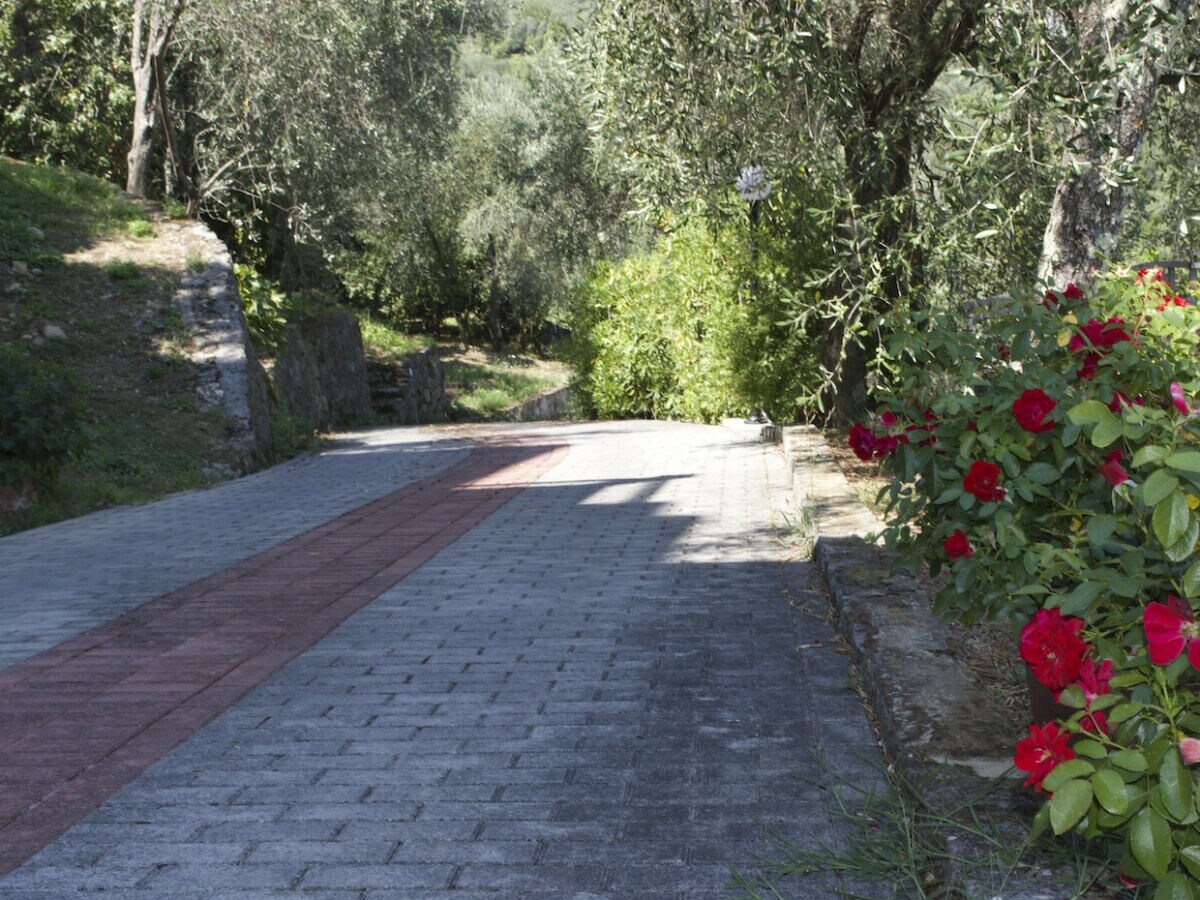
column 752, row 185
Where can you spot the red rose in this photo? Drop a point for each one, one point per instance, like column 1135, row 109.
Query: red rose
column 1094, row 679
column 1031, row 409
column 1112, row 333
column 1112, row 470
column 1071, row 292
column 1087, row 371
column 1053, row 649
column 862, row 441
column 1189, row 750
column 1039, row 753
column 866, row 444
column 1174, row 300
column 1099, row 335
column 957, row 545
column 1171, row 627
column 1178, row 398
column 1120, row 400
column 983, row 480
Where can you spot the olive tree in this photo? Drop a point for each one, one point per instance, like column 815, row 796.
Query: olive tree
column 917, row 120
column 153, row 30
column 693, row 91
column 65, row 97
column 1124, row 50
column 295, row 118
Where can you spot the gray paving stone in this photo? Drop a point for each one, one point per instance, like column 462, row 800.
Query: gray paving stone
column 594, row 693
column 396, row 876
column 62, row 579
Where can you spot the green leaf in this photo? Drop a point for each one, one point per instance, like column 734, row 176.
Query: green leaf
column 1106, row 433
column 1158, row 486
column 1040, row 820
column 1149, row 453
column 1080, row 598
column 1109, row 789
column 1150, row 841
column 1101, row 528
column 1072, row 696
column 1191, row 581
column 1175, row 786
column 1186, row 461
column 1190, row 857
column 1066, row 771
column 1186, row 545
column 948, row 495
column 1129, row 760
column 1125, row 586
column 1171, row 519
column 1070, row 803
column 1127, row 679
column 1174, row 887
column 1091, row 749
column 1090, row 412
column 1105, row 701
column 1042, row 473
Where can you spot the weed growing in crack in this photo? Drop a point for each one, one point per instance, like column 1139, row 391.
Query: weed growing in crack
column 931, row 837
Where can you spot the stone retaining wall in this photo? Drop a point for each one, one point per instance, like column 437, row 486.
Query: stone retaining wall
column 411, row 391
column 929, row 708
column 320, row 376
column 231, row 377
column 550, row 405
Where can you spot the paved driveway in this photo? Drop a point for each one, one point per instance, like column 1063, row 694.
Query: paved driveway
column 544, row 661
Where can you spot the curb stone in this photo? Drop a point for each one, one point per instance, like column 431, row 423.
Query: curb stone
column 931, row 712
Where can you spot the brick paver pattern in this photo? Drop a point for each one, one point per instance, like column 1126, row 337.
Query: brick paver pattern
column 79, row 721
column 601, row 685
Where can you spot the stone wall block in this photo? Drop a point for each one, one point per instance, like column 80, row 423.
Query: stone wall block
column 231, row 377
column 320, row 377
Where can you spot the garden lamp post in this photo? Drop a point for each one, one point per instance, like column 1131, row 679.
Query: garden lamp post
column 753, row 186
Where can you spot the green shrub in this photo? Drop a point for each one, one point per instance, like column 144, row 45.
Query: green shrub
column 1049, row 462
column 289, row 437
column 264, row 306
column 703, row 327
column 41, row 423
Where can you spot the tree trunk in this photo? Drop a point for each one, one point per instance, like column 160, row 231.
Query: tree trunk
column 880, row 148
column 1085, row 218
column 145, row 124
column 846, row 360
column 495, row 330
column 873, row 178
column 153, row 28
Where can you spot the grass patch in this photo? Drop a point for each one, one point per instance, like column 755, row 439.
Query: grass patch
column 123, row 271
column 382, row 341
column 482, row 385
column 45, row 212
column 933, row 837
column 139, row 228
column 146, row 431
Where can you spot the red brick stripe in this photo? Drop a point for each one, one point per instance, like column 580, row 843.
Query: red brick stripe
column 84, row 718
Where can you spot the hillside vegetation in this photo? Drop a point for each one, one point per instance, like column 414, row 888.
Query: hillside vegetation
column 85, row 300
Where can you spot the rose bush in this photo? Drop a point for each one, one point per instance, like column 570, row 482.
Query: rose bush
column 1051, row 460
